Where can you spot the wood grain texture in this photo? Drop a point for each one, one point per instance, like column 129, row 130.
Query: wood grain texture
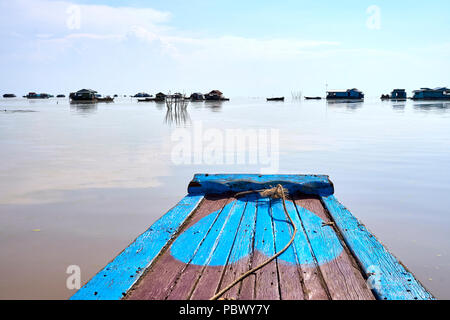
column 314, row 286
column 342, row 275
column 162, row 276
column 113, row 281
column 232, row 183
column 391, row 280
column 265, row 285
column 243, row 246
column 290, row 274
column 207, row 241
column 215, row 256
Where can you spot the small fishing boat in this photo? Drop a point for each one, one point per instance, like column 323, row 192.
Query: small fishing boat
column 275, row 99
column 106, row 99
column 9, row 95
column 61, row 96
column 264, row 237
column 146, row 100
column 313, row 98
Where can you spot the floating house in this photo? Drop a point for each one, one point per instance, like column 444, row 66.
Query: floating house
column 350, row 94
column 197, row 97
column 88, row 96
column 160, row 97
column 215, row 95
column 34, row 95
column 251, row 236
column 431, row 94
column 398, row 94
column 142, row 95
column 84, row 95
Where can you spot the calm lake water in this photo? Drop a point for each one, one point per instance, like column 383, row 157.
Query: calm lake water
column 79, row 183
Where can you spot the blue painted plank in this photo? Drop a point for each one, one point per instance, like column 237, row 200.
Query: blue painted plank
column 120, row 274
column 242, row 247
column 219, row 253
column 312, row 281
column 189, row 251
column 232, row 183
column 266, row 284
column 283, row 232
column 289, row 271
column 390, row 280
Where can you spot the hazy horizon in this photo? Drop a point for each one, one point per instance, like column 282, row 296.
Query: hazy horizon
column 256, row 48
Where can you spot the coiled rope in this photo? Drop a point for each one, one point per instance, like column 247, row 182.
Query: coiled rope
column 275, row 193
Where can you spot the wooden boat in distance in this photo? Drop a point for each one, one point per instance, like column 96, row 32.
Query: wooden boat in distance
column 106, row 99
column 276, row 99
column 313, row 98
column 225, row 227
column 146, row 100
column 9, row 95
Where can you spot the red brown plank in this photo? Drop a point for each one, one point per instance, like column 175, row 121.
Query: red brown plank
column 162, row 275
column 203, row 281
column 342, row 275
column 289, row 273
column 264, row 284
column 243, row 246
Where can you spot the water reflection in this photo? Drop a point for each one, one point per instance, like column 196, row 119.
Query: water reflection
column 160, row 104
column 398, row 106
column 348, row 104
column 84, row 108
column 437, row 106
column 178, row 116
column 214, row 106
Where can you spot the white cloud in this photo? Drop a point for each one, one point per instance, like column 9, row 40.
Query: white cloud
column 48, row 21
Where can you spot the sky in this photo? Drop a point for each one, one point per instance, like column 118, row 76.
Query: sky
column 251, row 48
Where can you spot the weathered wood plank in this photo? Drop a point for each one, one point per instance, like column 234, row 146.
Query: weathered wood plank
column 315, row 288
column 392, row 281
column 200, row 284
column 156, row 284
column 289, row 271
column 341, row 274
column 265, row 281
column 232, row 183
column 241, row 252
column 113, row 281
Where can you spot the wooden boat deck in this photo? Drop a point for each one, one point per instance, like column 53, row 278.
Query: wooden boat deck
column 210, row 238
